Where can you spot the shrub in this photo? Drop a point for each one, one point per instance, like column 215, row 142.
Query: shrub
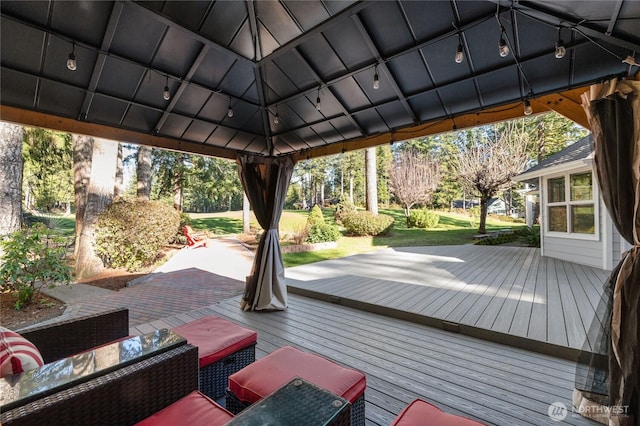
column 498, row 239
column 318, row 231
column 530, row 236
column 423, row 218
column 365, row 223
column 32, row 258
column 315, row 217
column 344, row 208
column 131, row 234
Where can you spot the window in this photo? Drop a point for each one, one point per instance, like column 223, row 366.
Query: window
column 575, row 214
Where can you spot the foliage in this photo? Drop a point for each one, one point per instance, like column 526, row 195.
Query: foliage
column 423, row 218
column 344, row 207
column 32, row 257
column 130, row 234
column 497, row 239
column 365, row 223
column 530, row 235
column 317, row 230
column 505, row 218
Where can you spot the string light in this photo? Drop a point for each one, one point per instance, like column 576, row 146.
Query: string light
column 376, row 79
column 527, row 107
column 71, row 62
column 318, row 106
column 560, row 49
column 276, row 118
column 503, row 49
column 459, row 52
column 230, row 110
column 166, row 95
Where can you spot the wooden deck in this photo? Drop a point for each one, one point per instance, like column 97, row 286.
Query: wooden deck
column 402, row 360
column 510, row 295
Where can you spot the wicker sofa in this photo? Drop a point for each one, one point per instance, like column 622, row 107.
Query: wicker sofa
column 121, row 396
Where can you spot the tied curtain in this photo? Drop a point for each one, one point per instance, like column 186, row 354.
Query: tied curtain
column 265, row 181
column 613, row 111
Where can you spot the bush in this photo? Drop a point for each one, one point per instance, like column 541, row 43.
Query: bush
column 497, row 239
column 32, row 258
column 423, row 218
column 318, row 231
column 530, row 236
column 365, row 223
column 131, row 234
column 344, row 208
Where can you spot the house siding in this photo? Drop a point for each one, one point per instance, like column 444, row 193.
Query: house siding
column 584, row 252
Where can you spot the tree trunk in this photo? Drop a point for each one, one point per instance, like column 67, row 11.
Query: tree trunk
column 484, row 203
column 118, row 189
column 143, row 173
column 99, row 196
column 372, row 181
column 10, row 178
column 178, row 177
column 351, row 179
column 245, row 214
column 82, row 151
column 322, row 193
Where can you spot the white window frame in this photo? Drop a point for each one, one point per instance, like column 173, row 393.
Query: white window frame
column 568, row 203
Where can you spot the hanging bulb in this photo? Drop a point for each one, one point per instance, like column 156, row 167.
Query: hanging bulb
column 230, row 110
column 318, row 103
column 503, row 49
column 166, row 95
column 459, row 54
column 527, row 107
column 560, row 50
column 276, row 119
column 376, row 81
column 71, row 62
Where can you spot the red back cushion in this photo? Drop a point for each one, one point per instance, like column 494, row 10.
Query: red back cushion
column 17, row 354
column 416, row 413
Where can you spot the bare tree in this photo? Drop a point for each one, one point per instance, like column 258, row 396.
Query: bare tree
column 10, row 177
column 489, row 163
column 143, row 173
column 414, row 179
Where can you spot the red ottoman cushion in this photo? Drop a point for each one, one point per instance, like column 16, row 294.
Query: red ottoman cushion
column 216, row 338
column 420, row 413
column 267, row 374
column 192, row 409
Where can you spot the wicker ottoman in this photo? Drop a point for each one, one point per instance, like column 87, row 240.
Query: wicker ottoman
column 193, row 409
column 266, row 375
column 223, row 349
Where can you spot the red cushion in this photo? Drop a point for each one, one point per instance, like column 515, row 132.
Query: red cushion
column 216, row 338
column 17, row 354
column 264, row 376
column 193, row 409
column 416, row 413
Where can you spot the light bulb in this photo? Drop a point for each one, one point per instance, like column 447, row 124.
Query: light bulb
column 230, row 112
column 560, row 49
column 376, row 81
column 459, row 54
column 166, row 95
column 503, row 48
column 527, row 108
column 276, row 119
column 318, row 103
column 71, row 62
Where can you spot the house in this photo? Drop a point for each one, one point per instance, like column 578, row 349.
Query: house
column 574, row 223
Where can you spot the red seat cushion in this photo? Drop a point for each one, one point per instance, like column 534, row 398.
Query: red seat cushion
column 216, row 338
column 264, row 376
column 420, row 413
column 193, row 409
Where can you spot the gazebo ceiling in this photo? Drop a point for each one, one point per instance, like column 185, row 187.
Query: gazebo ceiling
column 275, row 59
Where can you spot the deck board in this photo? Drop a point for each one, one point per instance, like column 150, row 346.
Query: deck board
column 402, row 360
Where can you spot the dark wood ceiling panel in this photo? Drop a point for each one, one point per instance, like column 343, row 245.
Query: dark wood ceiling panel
column 428, row 19
column 307, row 13
column 384, row 93
column 482, row 41
column 175, row 126
column 267, row 43
column 239, row 78
column 199, row 131
column 60, row 98
column 107, row 110
column 394, row 115
column 213, row 69
column 27, row 42
column 33, row 11
column 176, row 53
column 336, row 6
column 346, row 128
column 225, row 21
column 305, row 108
column 215, row 109
column 289, row 119
column 151, row 89
column 544, row 41
column 148, row 33
column 427, row 106
column 17, row 89
column 249, row 117
column 440, row 59
column 55, row 63
column 141, row 118
column 89, row 21
column 460, row 97
column 349, row 45
column 221, row 136
column 192, row 100
column 186, row 13
column 293, row 66
column 251, row 94
column 500, row 85
column 277, row 21
column 410, row 72
column 545, row 75
column 388, row 28
column 278, row 82
column 592, row 62
column 323, row 59
column 371, row 121
column 349, row 93
column 326, row 132
column 120, row 78
column 243, row 42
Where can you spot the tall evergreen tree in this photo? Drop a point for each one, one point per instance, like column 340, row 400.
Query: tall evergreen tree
column 10, row 177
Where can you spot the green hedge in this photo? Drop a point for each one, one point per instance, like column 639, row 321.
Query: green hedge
column 365, row 223
column 497, row 239
column 318, row 231
column 131, row 234
column 423, row 218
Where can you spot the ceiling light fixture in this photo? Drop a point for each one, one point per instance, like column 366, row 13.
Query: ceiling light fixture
column 376, row 79
column 71, row 62
column 528, row 110
column 503, row 49
column 560, row 49
column 276, row 118
column 459, row 51
column 230, row 110
column 166, row 95
column 318, row 106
